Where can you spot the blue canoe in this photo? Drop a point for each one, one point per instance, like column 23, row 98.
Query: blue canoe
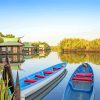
column 81, row 84
column 35, row 83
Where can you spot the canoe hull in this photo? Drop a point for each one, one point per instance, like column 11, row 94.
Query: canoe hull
column 47, row 88
column 81, row 87
column 35, row 90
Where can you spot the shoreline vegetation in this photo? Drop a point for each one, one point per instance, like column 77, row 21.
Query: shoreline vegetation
column 4, row 95
column 66, row 48
column 37, row 45
column 65, row 45
column 77, row 45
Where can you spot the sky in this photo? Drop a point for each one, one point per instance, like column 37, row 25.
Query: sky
column 50, row 20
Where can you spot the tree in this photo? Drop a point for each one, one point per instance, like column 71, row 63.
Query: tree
column 55, row 48
column 9, row 36
column 1, row 40
column 94, row 45
column 73, row 44
column 36, row 45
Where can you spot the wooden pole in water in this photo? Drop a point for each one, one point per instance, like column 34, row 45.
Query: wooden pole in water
column 7, row 72
column 10, row 76
column 17, row 88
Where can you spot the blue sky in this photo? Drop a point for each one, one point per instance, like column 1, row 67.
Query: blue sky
column 50, row 20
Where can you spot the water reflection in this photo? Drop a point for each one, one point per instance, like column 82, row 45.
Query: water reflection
column 72, row 58
column 80, row 57
column 15, row 61
column 39, row 61
column 12, row 58
column 41, row 54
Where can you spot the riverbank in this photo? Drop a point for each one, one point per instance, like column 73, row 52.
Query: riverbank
column 83, row 51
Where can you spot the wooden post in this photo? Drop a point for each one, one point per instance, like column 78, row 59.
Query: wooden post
column 8, row 72
column 17, row 88
column 7, row 75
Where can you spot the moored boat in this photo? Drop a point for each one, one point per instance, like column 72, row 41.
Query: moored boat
column 81, row 84
column 35, row 84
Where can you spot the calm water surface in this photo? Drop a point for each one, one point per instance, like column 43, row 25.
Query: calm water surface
column 74, row 60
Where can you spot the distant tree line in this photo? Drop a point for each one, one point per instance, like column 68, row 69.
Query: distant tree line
column 76, row 44
column 37, row 44
column 55, row 48
column 1, row 40
column 7, row 35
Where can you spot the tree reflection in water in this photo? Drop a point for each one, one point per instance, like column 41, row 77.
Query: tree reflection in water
column 80, row 57
column 41, row 54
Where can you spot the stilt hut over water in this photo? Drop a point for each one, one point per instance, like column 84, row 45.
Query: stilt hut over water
column 11, row 45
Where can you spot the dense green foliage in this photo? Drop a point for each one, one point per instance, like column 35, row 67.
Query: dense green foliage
column 4, row 91
column 55, row 48
column 1, row 40
column 1, row 35
column 77, row 44
column 37, row 44
column 7, row 35
column 94, row 45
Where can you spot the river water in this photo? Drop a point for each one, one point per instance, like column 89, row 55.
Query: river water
column 73, row 60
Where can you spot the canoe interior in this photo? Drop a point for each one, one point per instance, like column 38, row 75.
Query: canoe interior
column 24, row 85
column 79, row 90
column 73, row 95
column 39, row 95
